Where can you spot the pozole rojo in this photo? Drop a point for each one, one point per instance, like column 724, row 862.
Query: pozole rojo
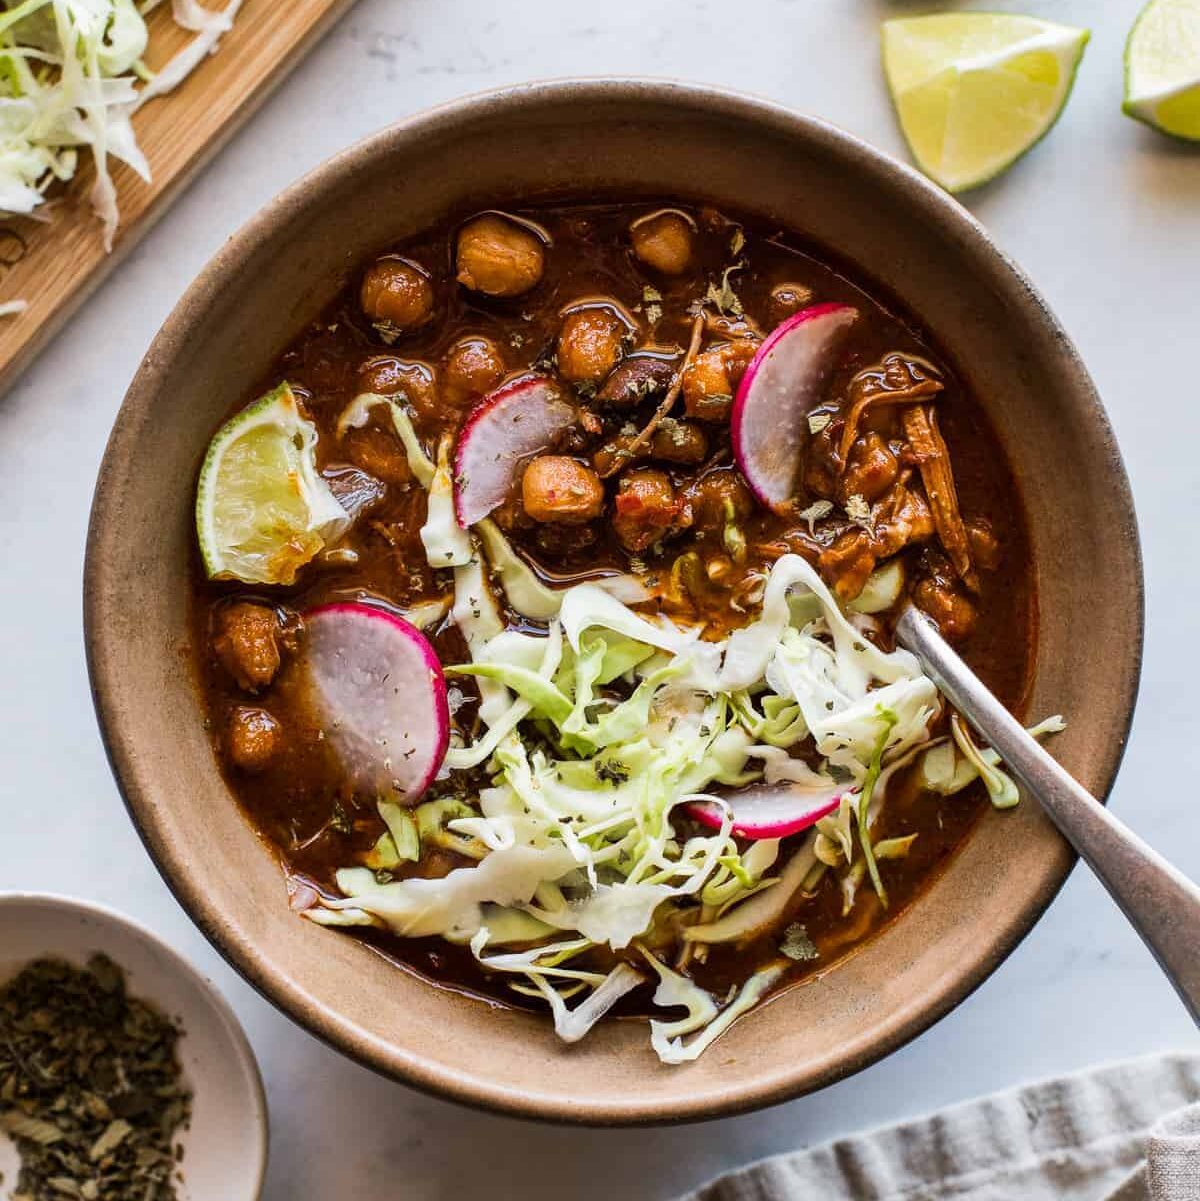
column 543, row 610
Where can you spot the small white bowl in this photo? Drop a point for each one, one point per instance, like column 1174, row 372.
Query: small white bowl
column 225, row 1147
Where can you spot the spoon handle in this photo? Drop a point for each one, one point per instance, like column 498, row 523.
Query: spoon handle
column 1162, row 904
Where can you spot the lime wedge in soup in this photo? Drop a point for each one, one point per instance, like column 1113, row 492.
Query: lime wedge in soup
column 1162, row 68
column 262, row 510
column 975, row 91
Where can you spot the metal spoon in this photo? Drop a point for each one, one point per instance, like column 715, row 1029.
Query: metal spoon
column 1159, row 900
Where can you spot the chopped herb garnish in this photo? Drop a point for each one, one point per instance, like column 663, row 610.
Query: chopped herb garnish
column 815, row 512
column 612, row 771
column 724, row 298
column 859, row 513
column 387, row 331
column 339, row 819
column 797, row 945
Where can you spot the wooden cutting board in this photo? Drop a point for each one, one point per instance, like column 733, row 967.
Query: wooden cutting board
column 55, row 264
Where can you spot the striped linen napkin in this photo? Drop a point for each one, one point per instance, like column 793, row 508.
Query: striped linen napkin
column 1127, row 1132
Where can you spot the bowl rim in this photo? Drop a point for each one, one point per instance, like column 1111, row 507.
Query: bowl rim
column 496, row 103
column 243, row 1051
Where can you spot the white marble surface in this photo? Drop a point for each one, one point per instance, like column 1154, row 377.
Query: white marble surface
column 1106, row 218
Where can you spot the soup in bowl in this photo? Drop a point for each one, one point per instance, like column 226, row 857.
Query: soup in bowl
column 513, row 694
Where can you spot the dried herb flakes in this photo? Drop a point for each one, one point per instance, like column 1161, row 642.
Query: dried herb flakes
column 797, row 945
column 90, row 1087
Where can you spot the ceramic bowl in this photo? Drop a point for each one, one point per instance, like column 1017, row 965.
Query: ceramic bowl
column 225, row 1144
column 593, row 139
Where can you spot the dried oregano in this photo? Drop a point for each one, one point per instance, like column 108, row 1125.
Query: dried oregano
column 90, row 1087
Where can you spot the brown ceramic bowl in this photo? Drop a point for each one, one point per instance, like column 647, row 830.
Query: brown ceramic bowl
column 593, row 138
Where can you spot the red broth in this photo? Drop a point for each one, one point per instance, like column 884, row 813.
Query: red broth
column 299, row 799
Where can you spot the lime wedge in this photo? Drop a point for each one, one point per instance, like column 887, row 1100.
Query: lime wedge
column 975, row 91
column 1162, row 68
column 262, row 511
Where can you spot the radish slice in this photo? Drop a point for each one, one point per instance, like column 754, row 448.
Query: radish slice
column 783, row 384
column 769, row 810
column 506, row 427
column 378, row 689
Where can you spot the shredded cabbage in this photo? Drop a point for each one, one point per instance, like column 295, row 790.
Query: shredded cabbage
column 999, row 785
column 72, row 70
column 358, row 412
column 946, row 772
column 763, row 908
column 209, row 28
column 592, row 736
column 703, row 1018
column 526, row 593
column 541, row 964
column 446, row 543
column 451, row 907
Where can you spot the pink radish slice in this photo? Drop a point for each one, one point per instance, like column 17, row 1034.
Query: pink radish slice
column 768, row 810
column 301, row 894
column 378, row 689
column 506, row 427
column 783, row 384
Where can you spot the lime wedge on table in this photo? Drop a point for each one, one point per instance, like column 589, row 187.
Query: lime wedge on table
column 975, row 91
column 262, row 510
column 1162, row 67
